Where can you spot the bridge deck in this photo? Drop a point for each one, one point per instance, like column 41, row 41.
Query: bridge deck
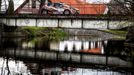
column 100, row 22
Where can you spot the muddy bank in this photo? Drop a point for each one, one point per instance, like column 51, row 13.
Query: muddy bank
column 92, row 33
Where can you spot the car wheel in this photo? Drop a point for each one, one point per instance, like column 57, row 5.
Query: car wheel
column 45, row 12
column 66, row 12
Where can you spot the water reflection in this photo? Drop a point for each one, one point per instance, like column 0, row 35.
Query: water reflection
column 13, row 67
column 96, row 46
column 26, row 68
column 103, row 57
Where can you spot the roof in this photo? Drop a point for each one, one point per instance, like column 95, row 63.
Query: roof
column 84, row 7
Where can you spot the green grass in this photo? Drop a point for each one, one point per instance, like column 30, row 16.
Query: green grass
column 51, row 33
column 117, row 32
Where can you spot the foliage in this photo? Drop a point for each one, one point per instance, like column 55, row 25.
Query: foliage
column 127, row 4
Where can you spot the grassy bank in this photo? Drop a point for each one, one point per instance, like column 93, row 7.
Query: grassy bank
column 117, row 32
column 52, row 33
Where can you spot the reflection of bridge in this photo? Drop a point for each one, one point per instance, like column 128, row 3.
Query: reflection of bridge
column 67, row 57
column 79, row 46
column 81, row 21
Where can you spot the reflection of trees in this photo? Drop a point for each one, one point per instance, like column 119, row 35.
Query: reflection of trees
column 43, row 44
column 66, row 48
column 7, row 66
column 3, row 71
column 129, row 52
column 2, row 67
column 115, row 47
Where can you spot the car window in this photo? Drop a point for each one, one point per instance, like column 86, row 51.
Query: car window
column 49, row 4
column 58, row 5
column 61, row 5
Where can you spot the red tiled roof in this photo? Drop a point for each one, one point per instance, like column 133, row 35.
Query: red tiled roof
column 84, row 7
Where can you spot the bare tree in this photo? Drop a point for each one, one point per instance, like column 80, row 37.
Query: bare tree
column 10, row 10
column 125, row 7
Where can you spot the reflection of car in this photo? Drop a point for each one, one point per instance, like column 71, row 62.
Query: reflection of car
column 58, row 8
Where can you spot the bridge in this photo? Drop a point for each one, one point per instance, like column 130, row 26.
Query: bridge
column 100, row 22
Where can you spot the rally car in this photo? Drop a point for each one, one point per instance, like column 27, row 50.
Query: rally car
column 58, row 8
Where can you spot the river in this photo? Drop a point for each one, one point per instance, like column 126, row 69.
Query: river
column 74, row 55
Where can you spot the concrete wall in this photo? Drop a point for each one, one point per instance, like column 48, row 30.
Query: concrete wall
column 68, row 23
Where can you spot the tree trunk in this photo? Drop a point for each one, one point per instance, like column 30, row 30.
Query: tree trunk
column 42, row 2
column 10, row 10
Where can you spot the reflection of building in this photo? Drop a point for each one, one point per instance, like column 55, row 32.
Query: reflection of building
column 80, row 46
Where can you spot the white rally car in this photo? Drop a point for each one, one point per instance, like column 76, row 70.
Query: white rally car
column 58, row 8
